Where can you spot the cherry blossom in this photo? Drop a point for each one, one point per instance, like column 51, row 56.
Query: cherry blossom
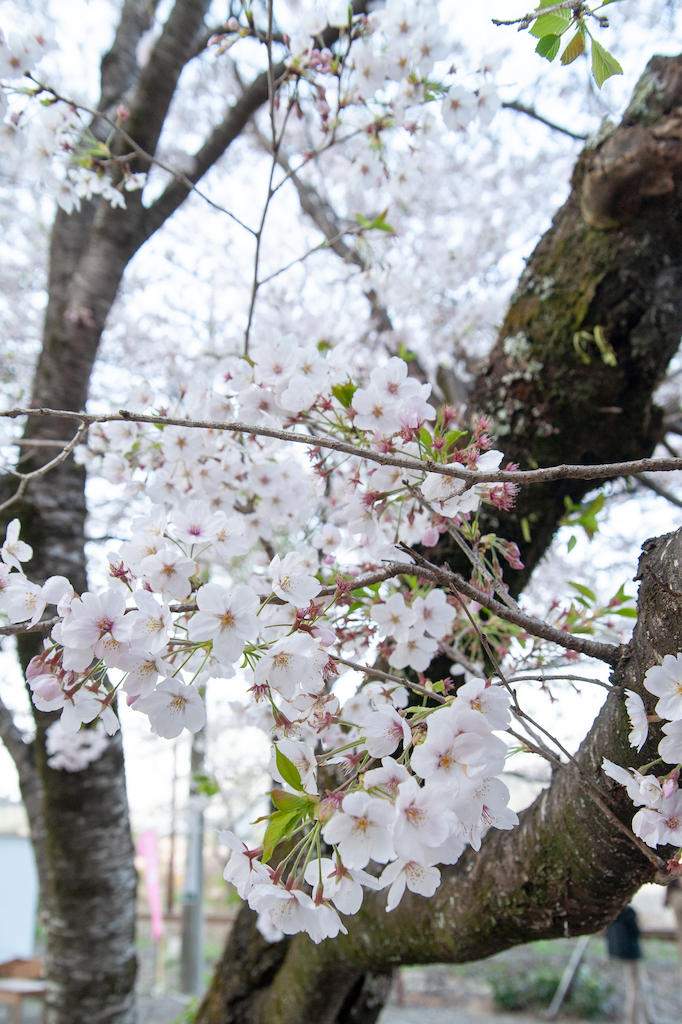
column 670, row 747
column 361, row 830
column 340, row 884
column 291, row 582
column 665, row 682
column 243, row 869
column 419, row 878
column 660, row 825
column 452, row 497
column 14, row 551
column 173, row 706
column 226, row 617
column 638, row 720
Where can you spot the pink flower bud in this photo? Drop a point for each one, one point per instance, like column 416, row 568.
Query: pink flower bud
column 430, row 537
column 669, row 787
column 35, row 667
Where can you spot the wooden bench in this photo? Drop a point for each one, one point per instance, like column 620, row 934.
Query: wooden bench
column 21, row 980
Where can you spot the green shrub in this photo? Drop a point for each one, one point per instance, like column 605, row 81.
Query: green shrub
column 591, row 996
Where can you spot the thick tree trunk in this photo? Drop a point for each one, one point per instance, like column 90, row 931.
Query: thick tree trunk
column 79, row 822
column 596, row 317
column 591, row 328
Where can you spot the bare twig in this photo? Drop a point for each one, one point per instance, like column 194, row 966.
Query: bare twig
column 540, row 677
column 609, row 653
column 531, row 112
column 44, row 626
column 42, row 470
column 576, row 6
column 378, row 674
column 657, row 489
column 605, row 471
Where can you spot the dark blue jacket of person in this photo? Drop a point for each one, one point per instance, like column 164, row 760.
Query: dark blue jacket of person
column 622, row 936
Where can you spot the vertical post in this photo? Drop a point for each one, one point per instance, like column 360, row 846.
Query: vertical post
column 170, row 878
column 191, row 954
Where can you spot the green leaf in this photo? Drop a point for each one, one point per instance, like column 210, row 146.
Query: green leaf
column 433, row 90
column 582, row 589
column 627, row 613
column 378, row 223
column 572, row 541
column 279, row 825
column 404, row 353
column 604, row 64
column 288, row 770
column 288, row 802
column 452, row 437
column 620, row 597
column 548, row 46
column 574, row 48
column 551, row 24
column 525, row 529
column 344, row 393
column 206, row 785
column 425, row 436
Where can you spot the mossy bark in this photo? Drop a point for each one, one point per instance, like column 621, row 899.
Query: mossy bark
column 590, row 330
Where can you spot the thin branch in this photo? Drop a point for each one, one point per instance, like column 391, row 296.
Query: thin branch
column 609, row 653
column 320, row 247
column 571, row 678
column 235, row 120
column 605, row 471
column 525, row 20
column 530, row 112
column 657, row 489
column 42, row 470
column 378, row 674
column 44, row 626
column 536, row 748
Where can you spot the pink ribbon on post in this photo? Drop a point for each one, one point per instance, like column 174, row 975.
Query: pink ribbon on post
column 148, row 849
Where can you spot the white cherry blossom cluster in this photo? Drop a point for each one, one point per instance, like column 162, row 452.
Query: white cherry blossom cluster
column 246, row 563
column 44, row 135
column 655, row 789
column 409, row 812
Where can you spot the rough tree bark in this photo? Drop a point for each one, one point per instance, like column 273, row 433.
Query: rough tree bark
column 590, row 330
column 596, row 316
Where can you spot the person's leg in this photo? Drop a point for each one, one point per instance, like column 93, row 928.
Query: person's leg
column 647, row 1015
column 631, row 993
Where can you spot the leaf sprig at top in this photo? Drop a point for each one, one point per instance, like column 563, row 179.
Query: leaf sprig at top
column 550, row 28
